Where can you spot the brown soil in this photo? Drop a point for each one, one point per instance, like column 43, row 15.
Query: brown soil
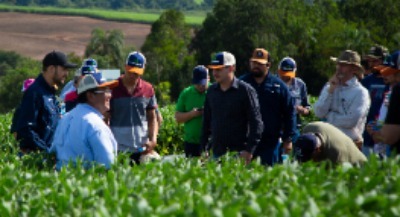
column 34, row 35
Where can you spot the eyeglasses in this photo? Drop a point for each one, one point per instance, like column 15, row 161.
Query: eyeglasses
column 102, row 91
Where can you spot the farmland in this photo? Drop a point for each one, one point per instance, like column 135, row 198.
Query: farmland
column 30, row 187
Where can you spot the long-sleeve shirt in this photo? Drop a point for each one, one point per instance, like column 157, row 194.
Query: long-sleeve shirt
column 38, row 117
column 277, row 108
column 298, row 91
column 232, row 117
column 82, row 134
column 346, row 108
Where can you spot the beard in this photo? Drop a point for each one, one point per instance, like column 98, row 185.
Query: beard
column 257, row 73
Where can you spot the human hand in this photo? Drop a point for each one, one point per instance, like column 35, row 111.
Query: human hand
column 301, row 110
column 333, row 83
column 150, row 145
column 287, row 147
column 197, row 111
column 247, row 156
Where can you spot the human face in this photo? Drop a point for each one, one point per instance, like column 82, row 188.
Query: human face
column 201, row 88
column 389, row 79
column 258, row 69
column 60, row 74
column 372, row 62
column 222, row 75
column 285, row 78
column 100, row 99
column 131, row 77
column 345, row 72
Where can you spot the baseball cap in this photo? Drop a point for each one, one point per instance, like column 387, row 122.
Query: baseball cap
column 84, row 70
column 287, row 67
column 135, row 63
column 305, row 147
column 222, row 59
column 57, row 58
column 92, row 81
column 200, row 75
column 378, row 52
column 90, row 62
column 260, row 55
column 392, row 64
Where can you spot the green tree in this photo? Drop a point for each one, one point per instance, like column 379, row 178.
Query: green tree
column 107, row 46
column 166, row 50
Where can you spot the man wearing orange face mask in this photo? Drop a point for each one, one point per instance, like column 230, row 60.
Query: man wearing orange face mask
column 298, row 89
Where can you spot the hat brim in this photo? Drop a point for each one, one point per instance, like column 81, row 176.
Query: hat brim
column 262, row 61
column 389, row 71
column 372, row 56
column 291, row 74
column 215, row 66
column 109, row 84
column 336, row 60
column 134, row 69
column 379, row 68
column 200, row 82
column 70, row 65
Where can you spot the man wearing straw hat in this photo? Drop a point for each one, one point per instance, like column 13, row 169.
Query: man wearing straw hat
column 344, row 102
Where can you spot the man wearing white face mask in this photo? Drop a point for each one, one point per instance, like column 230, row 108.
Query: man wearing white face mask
column 344, row 102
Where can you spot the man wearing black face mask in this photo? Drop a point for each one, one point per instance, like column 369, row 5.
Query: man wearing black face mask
column 276, row 106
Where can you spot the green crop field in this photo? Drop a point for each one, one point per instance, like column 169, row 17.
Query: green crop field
column 192, row 18
column 30, row 187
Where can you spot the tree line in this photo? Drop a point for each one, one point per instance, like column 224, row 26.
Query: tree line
column 119, row 4
column 310, row 31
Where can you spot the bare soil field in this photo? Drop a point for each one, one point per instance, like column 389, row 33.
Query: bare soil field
column 34, row 35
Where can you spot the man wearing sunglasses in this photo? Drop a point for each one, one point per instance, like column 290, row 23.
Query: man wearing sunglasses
column 82, row 134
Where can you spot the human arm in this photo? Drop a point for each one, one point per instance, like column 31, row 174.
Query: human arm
column 324, row 102
column 152, row 129
column 391, row 129
column 103, row 145
column 289, row 118
column 256, row 125
column 27, row 127
column 206, row 126
column 304, row 108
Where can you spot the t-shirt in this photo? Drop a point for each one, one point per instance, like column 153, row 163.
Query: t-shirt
column 336, row 146
column 393, row 115
column 188, row 99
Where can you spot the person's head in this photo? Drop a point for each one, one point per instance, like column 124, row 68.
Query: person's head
column 134, row 65
column 27, row 83
column 306, row 147
column 376, row 55
column 390, row 70
column 93, row 90
column 260, row 62
column 90, row 62
column 84, row 70
column 287, row 69
column 55, row 67
column 200, row 78
column 223, row 65
column 348, row 65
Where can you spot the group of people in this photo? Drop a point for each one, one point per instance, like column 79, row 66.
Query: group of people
column 256, row 115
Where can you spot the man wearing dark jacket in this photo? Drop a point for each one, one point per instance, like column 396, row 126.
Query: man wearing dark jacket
column 36, row 125
column 276, row 106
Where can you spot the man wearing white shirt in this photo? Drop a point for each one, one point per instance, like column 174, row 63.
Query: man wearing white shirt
column 344, row 102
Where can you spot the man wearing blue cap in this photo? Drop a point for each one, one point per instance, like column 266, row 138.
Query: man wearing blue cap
column 189, row 110
column 324, row 142
column 36, row 125
column 133, row 118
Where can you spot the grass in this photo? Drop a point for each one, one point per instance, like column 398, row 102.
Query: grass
column 192, row 18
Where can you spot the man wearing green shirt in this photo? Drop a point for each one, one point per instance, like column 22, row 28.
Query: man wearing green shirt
column 189, row 110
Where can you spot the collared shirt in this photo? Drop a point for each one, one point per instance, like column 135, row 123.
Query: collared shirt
column 346, row 108
column 188, row 99
column 276, row 106
column 38, row 117
column 298, row 91
column 128, row 114
column 232, row 117
column 82, row 134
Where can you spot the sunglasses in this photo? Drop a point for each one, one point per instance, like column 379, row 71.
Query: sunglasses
column 102, row 91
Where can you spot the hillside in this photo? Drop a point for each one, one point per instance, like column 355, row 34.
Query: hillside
column 33, row 35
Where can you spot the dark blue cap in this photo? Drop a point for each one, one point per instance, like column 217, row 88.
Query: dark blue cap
column 200, row 75
column 305, row 147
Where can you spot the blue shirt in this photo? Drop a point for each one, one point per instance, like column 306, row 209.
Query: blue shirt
column 38, row 116
column 276, row 106
column 298, row 91
column 82, row 134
